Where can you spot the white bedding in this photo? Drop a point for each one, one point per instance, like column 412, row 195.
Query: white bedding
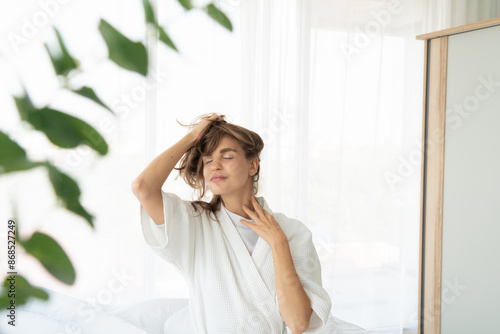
column 63, row 314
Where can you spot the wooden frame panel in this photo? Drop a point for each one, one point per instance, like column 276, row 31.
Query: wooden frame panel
column 431, row 216
column 422, row 195
column 461, row 29
column 432, row 186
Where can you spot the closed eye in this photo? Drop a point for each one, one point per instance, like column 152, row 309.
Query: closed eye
column 210, row 160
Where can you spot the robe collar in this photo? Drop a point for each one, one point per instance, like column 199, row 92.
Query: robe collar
column 261, row 247
column 253, row 264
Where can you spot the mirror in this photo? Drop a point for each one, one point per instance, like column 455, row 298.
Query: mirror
column 471, row 194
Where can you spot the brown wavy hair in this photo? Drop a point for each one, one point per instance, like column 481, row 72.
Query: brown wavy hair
column 191, row 163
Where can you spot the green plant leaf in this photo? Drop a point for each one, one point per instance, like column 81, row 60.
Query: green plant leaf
column 51, row 255
column 68, row 192
column 218, row 16
column 9, row 149
column 13, row 157
column 72, row 63
column 24, row 106
column 125, row 53
column 186, row 4
column 61, row 59
column 57, row 61
column 150, row 18
column 67, row 131
column 90, row 94
column 61, row 129
column 24, row 291
column 148, row 12
column 166, row 39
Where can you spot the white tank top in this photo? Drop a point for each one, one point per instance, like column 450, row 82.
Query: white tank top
column 249, row 237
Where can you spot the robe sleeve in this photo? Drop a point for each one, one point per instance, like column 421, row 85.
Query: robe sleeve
column 308, row 268
column 174, row 240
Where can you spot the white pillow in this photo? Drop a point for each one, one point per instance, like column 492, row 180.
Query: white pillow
column 63, row 314
column 179, row 323
column 29, row 322
column 151, row 314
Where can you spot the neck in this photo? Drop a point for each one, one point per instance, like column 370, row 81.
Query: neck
column 234, row 202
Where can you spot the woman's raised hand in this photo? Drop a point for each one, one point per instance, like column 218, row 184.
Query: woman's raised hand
column 199, row 131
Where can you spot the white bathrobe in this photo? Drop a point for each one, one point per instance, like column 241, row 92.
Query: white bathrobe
column 231, row 291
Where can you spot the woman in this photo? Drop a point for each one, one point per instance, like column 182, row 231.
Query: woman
column 249, row 270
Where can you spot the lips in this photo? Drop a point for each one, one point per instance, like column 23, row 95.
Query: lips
column 216, row 178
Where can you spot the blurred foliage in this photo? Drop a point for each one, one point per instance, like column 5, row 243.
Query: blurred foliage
column 69, row 132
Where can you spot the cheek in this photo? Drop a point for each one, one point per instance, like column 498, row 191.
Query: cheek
column 237, row 168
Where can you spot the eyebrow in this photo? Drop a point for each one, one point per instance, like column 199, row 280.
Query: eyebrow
column 224, row 150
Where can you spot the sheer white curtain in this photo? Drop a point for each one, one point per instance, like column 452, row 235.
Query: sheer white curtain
column 335, row 89
column 445, row 14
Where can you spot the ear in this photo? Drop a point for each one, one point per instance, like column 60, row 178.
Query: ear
column 254, row 165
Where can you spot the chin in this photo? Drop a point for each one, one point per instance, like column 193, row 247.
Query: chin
column 215, row 192
column 218, row 192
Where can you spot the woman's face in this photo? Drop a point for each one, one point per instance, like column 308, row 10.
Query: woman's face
column 226, row 169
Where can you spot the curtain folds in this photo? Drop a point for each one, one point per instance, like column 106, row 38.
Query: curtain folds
column 335, row 89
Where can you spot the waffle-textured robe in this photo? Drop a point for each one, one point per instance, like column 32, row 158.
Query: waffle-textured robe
column 231, row 291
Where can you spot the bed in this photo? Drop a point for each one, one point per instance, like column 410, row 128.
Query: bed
column 64, row 314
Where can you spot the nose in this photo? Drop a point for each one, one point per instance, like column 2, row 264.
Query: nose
column 215, row 165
